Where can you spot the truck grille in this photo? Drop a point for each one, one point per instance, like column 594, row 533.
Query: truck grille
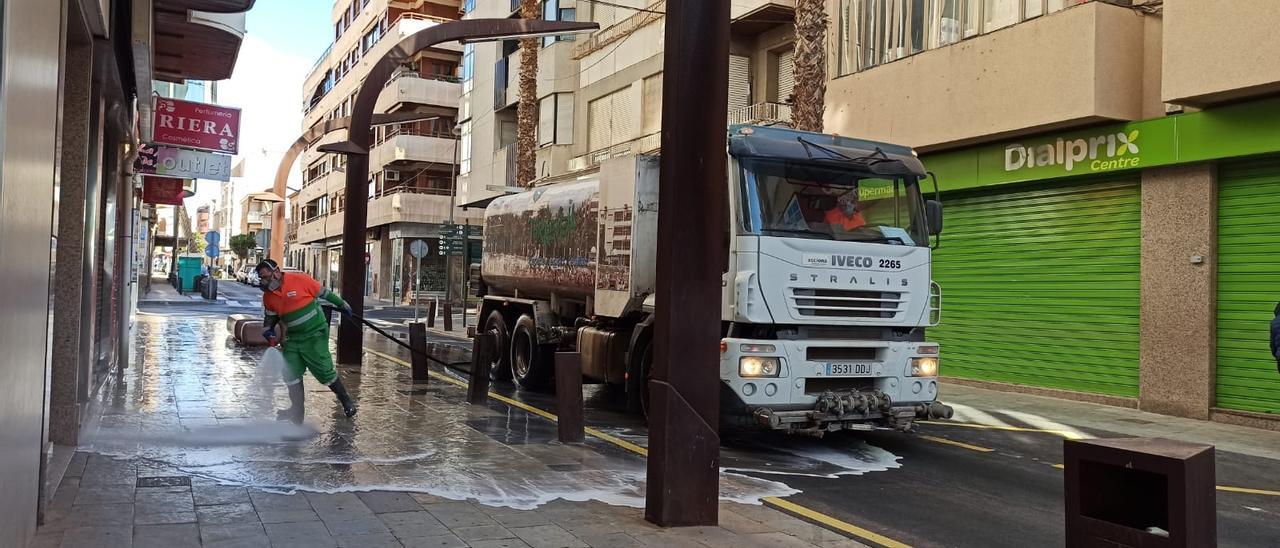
column 845, row 303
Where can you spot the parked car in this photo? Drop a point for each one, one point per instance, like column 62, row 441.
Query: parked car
column 251, row 277
column 243, row 274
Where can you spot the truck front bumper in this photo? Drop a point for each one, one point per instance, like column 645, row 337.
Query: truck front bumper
column 807, row 393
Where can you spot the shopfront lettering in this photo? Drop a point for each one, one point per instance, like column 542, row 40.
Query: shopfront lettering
column 1103, row 152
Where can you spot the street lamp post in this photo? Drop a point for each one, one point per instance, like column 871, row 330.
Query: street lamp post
column 357, row 145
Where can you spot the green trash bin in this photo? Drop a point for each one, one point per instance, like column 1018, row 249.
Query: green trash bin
column 188, row 269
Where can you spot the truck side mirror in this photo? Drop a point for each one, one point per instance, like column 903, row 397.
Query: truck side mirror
column 933, row 215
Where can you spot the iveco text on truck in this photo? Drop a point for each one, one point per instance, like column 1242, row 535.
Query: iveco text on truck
column 826, row 294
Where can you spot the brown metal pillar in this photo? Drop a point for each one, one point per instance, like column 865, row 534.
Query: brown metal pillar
column 353, row 233
column 684, row 442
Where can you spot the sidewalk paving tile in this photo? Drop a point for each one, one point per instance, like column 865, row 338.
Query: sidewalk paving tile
column 222, row 514
column 263, row 500
column 385, row 502
column 104, row 494
column 483, row 532
column 287, row 516
column 441, row 541
column 166, row 536
column 115, row 536
column 306, row 534
column 164, row 518
column 548, row 536
column 413, row 524
column 363, row 526
column 206, row 495
column 504, row 543
column 377, row 540
column 611, row 540
column 240, row 534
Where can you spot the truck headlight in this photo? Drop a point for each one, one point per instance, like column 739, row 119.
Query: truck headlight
column 758, row 366
column 924, row 367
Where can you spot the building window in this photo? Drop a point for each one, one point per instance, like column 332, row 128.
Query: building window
column 468, row 66
column 874, row 32
column 468, row 6
column 464, row 149
column 551, row 11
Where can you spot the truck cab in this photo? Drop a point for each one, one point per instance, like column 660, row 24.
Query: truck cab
column 827, row 291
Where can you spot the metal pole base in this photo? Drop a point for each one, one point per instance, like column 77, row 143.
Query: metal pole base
column 569, row 398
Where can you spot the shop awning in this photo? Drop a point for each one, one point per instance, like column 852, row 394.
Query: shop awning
column 198, row 39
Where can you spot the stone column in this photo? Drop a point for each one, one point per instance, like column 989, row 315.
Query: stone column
column 1179, row 292
column 64, row 406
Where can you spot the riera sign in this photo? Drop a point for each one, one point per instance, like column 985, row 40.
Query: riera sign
column 182, row 163
column 196, row 125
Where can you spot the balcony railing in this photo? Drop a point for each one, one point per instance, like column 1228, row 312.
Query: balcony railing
column 402, row 189
column 761, row 113
column 393, row 132
column 621, row 29
column 642, row 145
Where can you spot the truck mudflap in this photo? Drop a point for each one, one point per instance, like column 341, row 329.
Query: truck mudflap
column 851, row 410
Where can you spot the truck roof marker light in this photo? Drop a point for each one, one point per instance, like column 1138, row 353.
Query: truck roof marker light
column 746, row 131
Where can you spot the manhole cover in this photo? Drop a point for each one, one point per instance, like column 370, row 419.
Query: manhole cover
column 165, row 481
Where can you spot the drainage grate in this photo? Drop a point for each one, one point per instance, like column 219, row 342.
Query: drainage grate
column 165, row 481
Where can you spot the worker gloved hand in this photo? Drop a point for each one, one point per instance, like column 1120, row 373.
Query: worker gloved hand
column 270, row 336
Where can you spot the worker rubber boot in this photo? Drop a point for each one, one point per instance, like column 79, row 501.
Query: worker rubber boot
column 348, row 406
column 296, row 408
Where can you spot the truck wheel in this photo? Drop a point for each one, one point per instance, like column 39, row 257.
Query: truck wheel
column 500, row 369
column 530, row 361
column 638, row 382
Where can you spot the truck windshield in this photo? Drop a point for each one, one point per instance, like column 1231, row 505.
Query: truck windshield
column 827, row 201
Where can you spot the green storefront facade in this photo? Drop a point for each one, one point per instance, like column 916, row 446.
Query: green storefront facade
column 1044, row 261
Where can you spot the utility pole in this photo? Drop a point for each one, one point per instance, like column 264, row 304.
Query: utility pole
column 684, row 414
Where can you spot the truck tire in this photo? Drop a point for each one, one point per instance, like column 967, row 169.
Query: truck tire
column 637, row 386
column 500, row 369
column 530, row 362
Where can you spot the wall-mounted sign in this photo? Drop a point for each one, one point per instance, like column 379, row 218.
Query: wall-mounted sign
column 196, row 125
column 1243, row 129
column 162, row 190
column 183, row 163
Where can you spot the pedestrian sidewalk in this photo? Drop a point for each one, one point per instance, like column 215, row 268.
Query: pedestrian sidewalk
column 186, row 455
column 162, row 293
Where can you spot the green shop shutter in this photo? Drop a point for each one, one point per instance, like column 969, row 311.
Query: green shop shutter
column 1040, row 286
column 1248, row 285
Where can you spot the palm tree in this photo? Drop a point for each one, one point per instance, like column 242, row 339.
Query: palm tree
column 810, row 88
column 527, row 109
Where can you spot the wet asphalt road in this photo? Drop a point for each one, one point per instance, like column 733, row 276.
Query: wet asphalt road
column 990, row 488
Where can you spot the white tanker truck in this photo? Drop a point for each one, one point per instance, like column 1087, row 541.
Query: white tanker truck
column 826, row 294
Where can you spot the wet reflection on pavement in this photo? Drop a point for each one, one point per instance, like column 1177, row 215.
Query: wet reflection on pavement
column 194, row 403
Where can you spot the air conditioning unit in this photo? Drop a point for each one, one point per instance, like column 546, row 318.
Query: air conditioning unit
column 390, row 175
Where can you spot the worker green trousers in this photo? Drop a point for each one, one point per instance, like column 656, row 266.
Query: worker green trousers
column 309, row 353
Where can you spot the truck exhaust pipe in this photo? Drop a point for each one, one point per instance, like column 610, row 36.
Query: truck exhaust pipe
column 934, row 410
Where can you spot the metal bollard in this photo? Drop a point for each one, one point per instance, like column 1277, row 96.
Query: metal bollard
column 1139, row 492
column 431, row 314
column 569, row 397
column 418, row 359
column 448, row 316
column 482, row 349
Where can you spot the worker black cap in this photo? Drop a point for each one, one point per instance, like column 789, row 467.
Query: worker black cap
column 268, row 264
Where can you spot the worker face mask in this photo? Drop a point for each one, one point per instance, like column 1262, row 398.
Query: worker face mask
column 272, row 282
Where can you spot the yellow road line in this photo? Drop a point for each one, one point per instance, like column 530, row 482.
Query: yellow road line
column 1247, row 490
column 1063, row 433
column 775, row 502
column 1226, row 488
column 955, row 443
column 834, row 523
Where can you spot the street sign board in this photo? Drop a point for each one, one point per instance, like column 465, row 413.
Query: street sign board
column 196, row 125
column 162, row 190
column 182, row 163
column 212, row 250
column 419, row 249
column 212, row 238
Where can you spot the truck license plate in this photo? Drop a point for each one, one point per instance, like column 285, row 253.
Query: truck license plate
column 850, row 370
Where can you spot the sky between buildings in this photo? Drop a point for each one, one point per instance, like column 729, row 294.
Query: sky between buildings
column 283, row 40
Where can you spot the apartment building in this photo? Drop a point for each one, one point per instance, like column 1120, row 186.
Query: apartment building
column 1111, row 183
column 600, row 95
column 412, row 165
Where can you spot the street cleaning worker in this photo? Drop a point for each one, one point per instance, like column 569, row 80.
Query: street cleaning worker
column 294, row 298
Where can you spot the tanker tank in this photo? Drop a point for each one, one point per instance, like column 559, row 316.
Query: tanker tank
column 543, row 241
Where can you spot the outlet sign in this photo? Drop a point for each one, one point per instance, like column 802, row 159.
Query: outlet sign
column 182, row 163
